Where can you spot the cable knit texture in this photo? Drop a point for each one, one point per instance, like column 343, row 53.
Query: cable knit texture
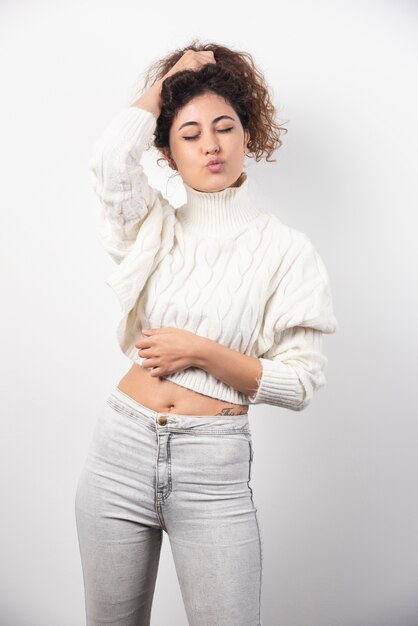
column 218, row 266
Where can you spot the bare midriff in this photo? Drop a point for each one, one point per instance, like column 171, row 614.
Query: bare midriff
column 164, row 396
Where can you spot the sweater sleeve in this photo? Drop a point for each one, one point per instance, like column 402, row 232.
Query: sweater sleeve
column 297, row 315
column 126, row 197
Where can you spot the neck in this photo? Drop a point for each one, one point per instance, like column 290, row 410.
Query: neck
column 218, row 212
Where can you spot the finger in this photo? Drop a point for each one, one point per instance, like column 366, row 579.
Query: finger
column 143, row 344
column 147, row 352
column 207, row 59
column 149, row 362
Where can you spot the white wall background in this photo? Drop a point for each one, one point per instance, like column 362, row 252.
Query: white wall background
column 336, row 484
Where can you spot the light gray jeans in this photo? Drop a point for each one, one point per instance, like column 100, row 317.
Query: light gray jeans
column 188, row 475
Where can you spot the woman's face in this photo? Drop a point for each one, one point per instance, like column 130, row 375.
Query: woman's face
column 207, row 127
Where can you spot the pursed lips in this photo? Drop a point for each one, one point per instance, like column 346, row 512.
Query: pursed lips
column 215, row 162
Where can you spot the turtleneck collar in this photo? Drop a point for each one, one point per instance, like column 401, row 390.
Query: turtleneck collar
column 218, row 212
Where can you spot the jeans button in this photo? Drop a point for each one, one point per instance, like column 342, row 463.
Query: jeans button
column 162, row 420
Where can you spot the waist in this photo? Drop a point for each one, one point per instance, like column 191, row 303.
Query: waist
column 166, row 396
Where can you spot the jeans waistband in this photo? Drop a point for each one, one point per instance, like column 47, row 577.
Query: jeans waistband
column 177, row 420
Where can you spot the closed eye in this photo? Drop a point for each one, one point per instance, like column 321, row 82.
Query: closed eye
column 223, row 130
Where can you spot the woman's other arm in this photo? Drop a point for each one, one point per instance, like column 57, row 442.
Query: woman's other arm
column 287, row 376
column 240, row 371
column 297, row 315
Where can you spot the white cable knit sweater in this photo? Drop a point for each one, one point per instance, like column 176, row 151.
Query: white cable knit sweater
column 217, row 266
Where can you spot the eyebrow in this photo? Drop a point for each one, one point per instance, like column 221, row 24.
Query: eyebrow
column 216, row 119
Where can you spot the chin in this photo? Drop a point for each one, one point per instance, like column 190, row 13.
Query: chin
column 204, row 186
column 220, row 182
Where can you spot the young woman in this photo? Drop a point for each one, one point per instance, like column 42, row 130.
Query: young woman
column 223, row 306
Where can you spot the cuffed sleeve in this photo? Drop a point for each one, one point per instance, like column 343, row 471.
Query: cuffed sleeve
column 293, row 370
column 297, row 314
column 120, row 183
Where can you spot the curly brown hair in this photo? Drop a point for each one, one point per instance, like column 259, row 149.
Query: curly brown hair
column 234, row 77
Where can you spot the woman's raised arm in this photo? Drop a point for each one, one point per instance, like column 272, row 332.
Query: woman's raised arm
column 118, row 178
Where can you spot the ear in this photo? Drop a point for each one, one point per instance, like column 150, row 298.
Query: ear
column 167, row 154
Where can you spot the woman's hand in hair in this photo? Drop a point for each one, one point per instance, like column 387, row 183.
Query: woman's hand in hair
column 191, row 60
column 150, row 100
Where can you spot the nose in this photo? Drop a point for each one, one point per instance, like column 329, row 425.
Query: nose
column 210, row 144
column 212, row 149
